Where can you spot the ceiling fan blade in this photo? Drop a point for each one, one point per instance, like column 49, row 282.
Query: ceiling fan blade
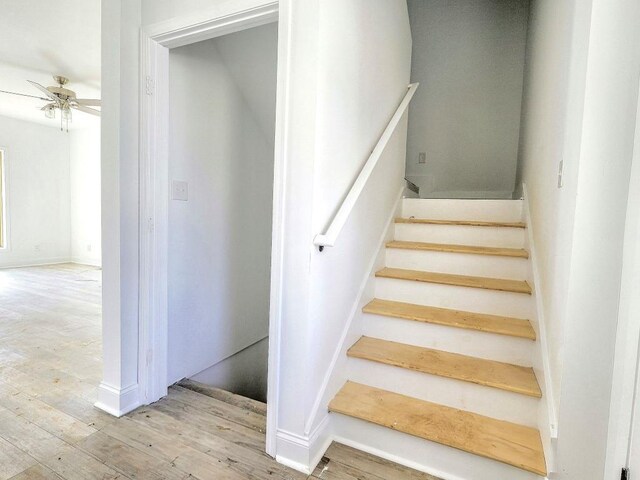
column 92, row 102
column 91, row 111
column 45, row 91
column 25, row 95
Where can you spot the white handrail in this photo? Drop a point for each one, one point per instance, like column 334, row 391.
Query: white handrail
column 328, row 239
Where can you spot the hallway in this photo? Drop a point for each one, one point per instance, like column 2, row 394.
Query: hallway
column 50, row 365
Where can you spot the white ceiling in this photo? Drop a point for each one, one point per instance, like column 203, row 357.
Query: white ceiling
column 40, row 38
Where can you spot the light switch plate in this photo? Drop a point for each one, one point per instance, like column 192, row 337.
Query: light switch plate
column 179, row 190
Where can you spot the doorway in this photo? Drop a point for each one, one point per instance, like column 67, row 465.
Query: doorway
column 222, row 94
column 156, row 188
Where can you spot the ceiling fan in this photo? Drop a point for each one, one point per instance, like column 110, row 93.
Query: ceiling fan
column 63, row 99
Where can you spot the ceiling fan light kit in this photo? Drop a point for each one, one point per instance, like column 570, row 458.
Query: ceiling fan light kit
column 63, row 99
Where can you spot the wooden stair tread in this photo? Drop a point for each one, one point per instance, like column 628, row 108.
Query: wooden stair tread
column 505, row 376
column 499, row 440
column 453, row 248
column 516, row 286
column 514, row 327
column 467, row 223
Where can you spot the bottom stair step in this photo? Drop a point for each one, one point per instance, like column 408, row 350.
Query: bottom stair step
column 505, row 442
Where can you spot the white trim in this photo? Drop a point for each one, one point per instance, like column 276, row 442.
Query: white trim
column 92, row 262
column 291, row 464
column 215, row 22
column 34, row 262
column 156, row 40
column 549, row 418
column 463, row 194
column 283, row 94
column 329, row 238
column 303, row 453
column 355, row 309
column 152, row 354
column 115, row 401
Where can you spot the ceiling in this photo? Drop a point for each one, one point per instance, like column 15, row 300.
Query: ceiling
column 41, row 38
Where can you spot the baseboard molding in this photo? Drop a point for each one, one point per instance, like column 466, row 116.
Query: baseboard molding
column 303, row 453
column 495, row 194
column 39, row 262
column 116, row 401
column 548, row 423
column 92, row 262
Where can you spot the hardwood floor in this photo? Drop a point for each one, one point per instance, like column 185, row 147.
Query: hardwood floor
column 50, row 365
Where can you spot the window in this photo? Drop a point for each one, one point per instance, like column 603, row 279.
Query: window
column 3, row 240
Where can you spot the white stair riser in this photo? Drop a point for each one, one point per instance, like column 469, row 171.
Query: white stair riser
column 460, row 235
column 459, row 263
column 480, row 210
column 490, row 346
column 440, row 460
column 478, row 300
column 488, row 401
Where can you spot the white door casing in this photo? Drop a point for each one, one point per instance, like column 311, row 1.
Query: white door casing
column 156, row 41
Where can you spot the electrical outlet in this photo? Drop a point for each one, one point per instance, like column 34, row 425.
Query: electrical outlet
column 422, row 157
column 36, row 247
column 179, row 190
column 88, row 247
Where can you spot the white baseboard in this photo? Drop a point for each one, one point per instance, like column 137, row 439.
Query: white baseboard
column 497, row 194
column 548, row 424
column 92, row 262
column 116, row 401
column 303, row 453
column 37, row 262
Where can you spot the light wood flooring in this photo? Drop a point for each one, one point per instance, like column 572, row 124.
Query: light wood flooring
column 50, row 365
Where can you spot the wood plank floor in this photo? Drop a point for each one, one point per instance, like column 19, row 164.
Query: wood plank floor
column 50, row 365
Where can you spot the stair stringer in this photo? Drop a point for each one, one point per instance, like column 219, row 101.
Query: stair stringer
column 547, row 420
column 337, row 372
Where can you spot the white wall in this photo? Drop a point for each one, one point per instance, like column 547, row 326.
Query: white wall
column 53, row 193
column 357, row 95
column 581, row 95
column 602, row 187
column 299, row 52
column 553, row 53
column 118, row 392
column 85, row 195
column 220, row 239
column 254, row 71
column 37, row 193
column 468, row 56
column 121, row 23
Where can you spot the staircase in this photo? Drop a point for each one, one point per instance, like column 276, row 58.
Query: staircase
column 442, row 376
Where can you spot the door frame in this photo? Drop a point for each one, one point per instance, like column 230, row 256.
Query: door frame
column 155, row 42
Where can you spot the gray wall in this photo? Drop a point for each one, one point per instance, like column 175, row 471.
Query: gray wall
column 220, row 239
column 468, row 56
